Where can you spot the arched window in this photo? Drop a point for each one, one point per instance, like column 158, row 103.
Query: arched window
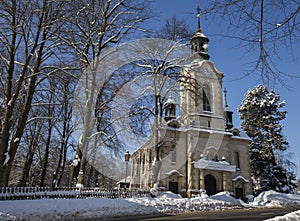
column 206, row 98
column 211, row 153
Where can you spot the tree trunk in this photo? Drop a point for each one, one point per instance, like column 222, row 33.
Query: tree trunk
column 26, row 169
column 46, row 156
column 63, row 165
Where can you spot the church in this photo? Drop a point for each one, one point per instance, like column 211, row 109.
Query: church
column 197, row 149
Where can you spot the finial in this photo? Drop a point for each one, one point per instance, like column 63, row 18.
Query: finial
column 198, row 16
column 225, row 94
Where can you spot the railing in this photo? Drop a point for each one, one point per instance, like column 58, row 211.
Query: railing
column 25, row 193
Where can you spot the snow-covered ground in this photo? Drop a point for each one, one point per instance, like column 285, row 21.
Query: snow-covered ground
column 80, row 209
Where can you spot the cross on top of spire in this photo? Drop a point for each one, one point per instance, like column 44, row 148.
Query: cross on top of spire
column 198, row 16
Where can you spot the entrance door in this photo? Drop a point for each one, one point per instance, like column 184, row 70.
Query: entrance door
column 239, row 193
column 173, row 187
column 210, row 185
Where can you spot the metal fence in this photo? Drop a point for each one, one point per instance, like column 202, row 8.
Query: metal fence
column 26, row 193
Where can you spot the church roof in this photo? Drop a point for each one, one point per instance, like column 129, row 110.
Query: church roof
column 199, row 34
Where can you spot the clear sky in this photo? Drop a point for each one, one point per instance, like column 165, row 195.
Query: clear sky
column 232, row 61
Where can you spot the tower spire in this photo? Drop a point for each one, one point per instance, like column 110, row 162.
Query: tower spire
column 198, row 17
column 199, row 42
column 225, row 95
column 228, row 113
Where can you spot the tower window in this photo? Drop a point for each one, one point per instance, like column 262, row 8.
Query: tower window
column 150, row 156
column 206, row 103
column 143, row 164
column 237, row 160
column 174, row 155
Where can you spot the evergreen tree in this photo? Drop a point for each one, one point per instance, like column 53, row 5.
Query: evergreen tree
column 261, row 115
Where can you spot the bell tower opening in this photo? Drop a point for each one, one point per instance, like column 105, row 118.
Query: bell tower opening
column 170, row 109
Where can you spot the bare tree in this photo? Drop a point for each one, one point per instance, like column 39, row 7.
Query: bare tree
column 176, row 29
column 96, row 26
column 31, row 142
column 26, row 46
column 49, row 99
column 47, row 134
column 64, row 128
column 267, row 29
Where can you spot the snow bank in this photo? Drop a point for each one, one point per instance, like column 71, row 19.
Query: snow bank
column 169, row 202
column 170, row 195
column 53, row 209
column 288, row 217
column 80, row 209
column 272, row 198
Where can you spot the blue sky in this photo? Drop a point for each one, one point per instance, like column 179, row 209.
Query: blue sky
column 232, row 61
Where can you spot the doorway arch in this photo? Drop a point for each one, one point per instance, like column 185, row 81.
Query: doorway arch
column 210, row 184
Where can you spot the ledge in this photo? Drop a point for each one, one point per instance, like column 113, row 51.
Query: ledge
column 214, row 165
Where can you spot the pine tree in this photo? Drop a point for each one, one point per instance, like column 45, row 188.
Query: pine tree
column 261, row 115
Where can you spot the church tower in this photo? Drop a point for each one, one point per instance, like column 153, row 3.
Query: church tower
column 202, row 98
column 202, row 106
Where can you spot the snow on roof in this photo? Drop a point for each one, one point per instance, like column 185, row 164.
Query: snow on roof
column 123, row 180
column 240, row 177
column 170, row 101
column 214, row 165
column 199, row 34
column 241, row 134
column 228, row 109
column 174, row 171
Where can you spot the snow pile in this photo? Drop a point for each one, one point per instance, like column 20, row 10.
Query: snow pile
column 169, row 202
column 288, row 217
column 4, row 216
column 54, row 209
column 80, row 209
column 272, row 198
column 169, row 195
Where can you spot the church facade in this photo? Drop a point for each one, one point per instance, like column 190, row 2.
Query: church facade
column 197, row 148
